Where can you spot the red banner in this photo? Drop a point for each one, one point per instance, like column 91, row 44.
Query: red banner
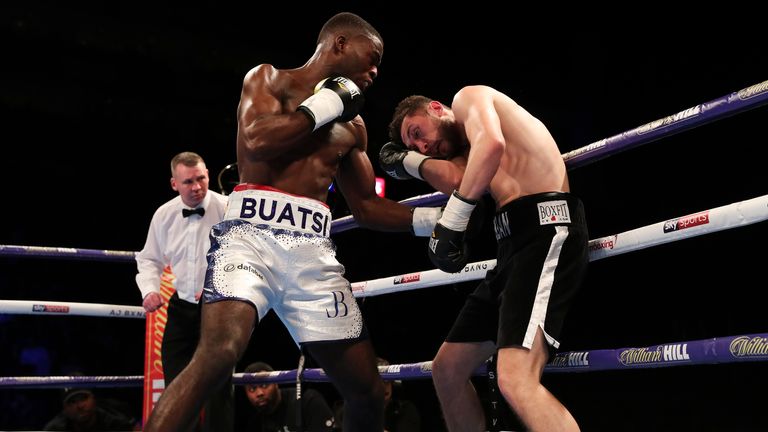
column 153, row 364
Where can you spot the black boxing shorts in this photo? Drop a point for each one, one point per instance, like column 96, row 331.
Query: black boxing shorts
column 541, row 263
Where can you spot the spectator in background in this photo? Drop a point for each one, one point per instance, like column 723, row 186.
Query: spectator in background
column 276, row 409
column 83, row 413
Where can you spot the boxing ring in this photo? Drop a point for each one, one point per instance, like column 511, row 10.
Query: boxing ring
column 731, row 349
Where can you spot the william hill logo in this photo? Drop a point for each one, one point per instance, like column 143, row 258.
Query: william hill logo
column 411, row 277
column 746, row 346
column 576, row 359
column 661, row 354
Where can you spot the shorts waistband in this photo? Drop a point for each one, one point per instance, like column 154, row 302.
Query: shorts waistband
column 538, row 210
column 263, row 205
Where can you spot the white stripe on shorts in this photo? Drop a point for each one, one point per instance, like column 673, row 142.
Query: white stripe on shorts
column 546, row 279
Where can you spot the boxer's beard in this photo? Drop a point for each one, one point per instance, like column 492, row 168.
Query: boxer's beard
column 451, row 134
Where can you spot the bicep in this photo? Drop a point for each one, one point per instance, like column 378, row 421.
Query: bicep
column 444, row 175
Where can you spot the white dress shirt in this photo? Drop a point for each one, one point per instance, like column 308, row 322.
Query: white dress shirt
column 182, row 243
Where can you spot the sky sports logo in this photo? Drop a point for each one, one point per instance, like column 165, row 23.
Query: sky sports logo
column 50, row 308
column 689, row 221
column 412, row 277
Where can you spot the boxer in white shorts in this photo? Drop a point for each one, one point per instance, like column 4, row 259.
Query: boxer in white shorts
column 273, row 250
column 298, row 132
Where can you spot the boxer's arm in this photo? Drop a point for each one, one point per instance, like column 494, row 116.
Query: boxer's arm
column 264, row 128
column 444, row 175
column 474, row 108
column 357, row 182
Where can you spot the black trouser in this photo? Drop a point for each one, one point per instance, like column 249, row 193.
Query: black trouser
column 182, row 331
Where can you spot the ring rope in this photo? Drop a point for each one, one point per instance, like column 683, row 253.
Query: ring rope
column 720, row 350
column 76, row 381
column 704, row 222
column 69, row 253
column 728, row 105
column 338, row 225
column 45, row 307
column 729, row 216
column 725, row 106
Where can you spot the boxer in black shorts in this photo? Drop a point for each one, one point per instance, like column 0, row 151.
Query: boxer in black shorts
column 523, row 292
column 486, row 143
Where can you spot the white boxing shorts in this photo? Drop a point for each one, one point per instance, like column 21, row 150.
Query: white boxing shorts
column 273, row 250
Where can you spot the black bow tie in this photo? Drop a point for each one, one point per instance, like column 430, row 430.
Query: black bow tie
column 188, row 212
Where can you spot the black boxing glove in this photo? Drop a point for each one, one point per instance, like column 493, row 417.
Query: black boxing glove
column 401, row 163
column 447, row 249
column 335, row 99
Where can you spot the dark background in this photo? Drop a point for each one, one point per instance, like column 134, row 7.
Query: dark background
column 97, row 99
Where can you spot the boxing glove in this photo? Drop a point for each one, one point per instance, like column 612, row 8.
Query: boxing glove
column 401, row 163
column 447, row 249
column 335, row 99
